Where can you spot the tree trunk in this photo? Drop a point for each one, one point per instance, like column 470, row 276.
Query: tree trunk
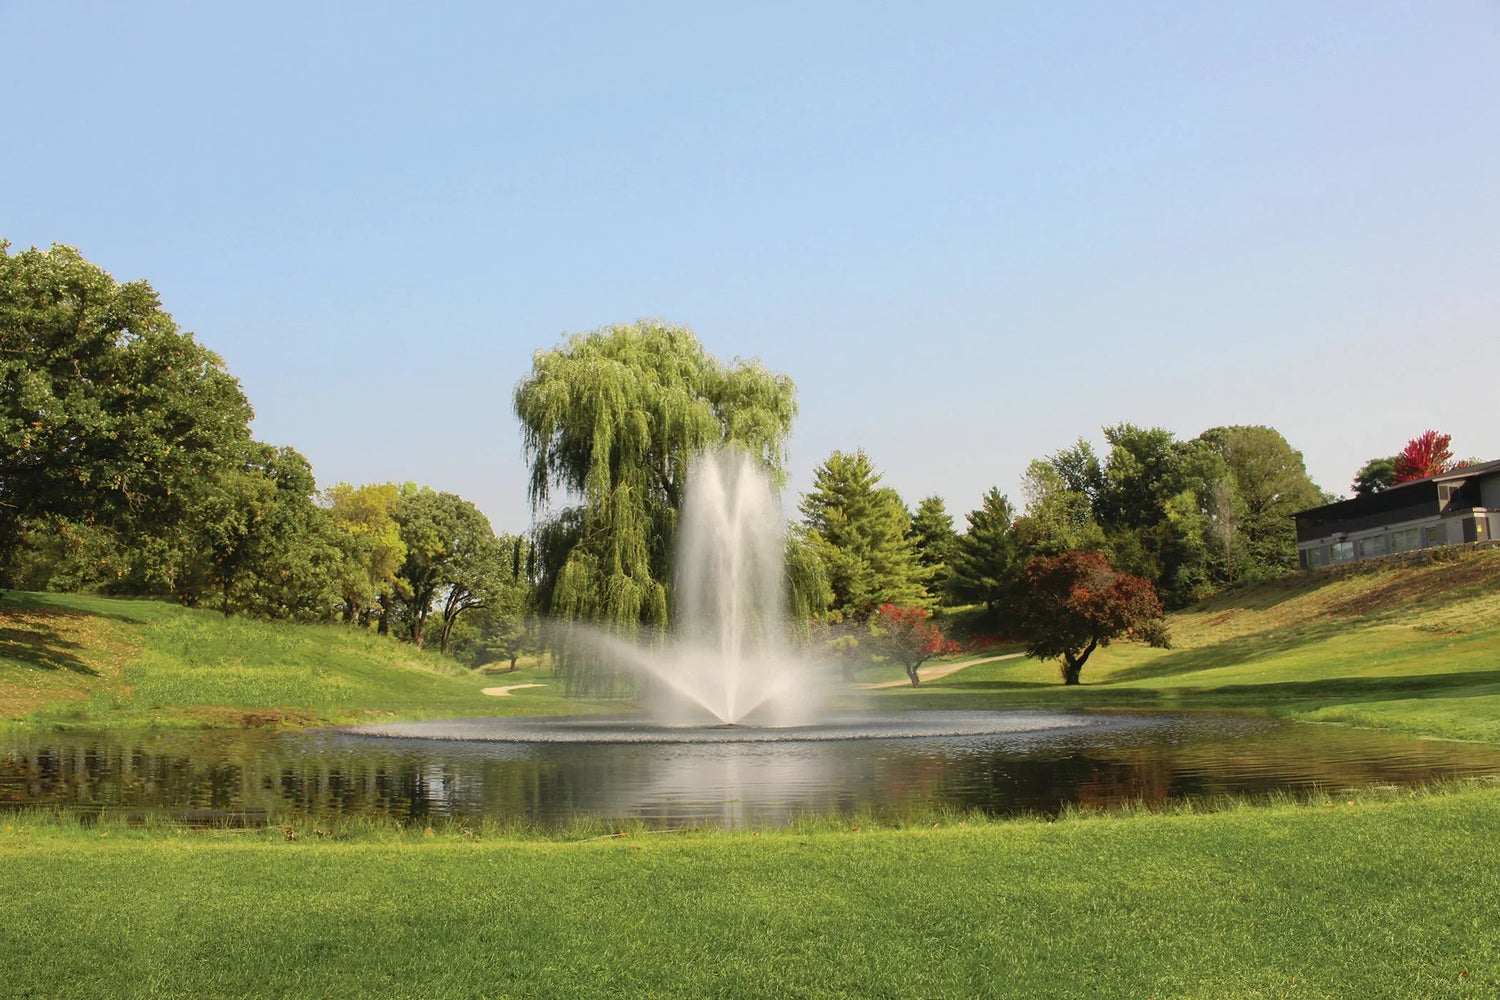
column 384, row 627
column 1073, row 665
column 447, row 630
column 1071, row 668
column 512, row 665
column 911, row 672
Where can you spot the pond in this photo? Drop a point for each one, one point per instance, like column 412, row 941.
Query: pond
column 548, row 771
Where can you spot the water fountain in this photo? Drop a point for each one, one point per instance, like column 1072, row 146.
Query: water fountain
column 728, row 672
column 729, row 659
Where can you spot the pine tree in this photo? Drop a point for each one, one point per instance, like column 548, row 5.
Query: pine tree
column 987, row 558
column 932, row 532
column 861, row 532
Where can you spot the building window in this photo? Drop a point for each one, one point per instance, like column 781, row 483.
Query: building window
column 1436, row 534
column 1372, row 547
column 1341, row 551
column 1405, row 540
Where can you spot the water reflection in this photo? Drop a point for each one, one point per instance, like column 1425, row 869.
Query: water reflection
column 1118, row 758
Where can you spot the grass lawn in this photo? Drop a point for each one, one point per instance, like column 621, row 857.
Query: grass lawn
column 69, row 660
column 1409, row 648
column 1377, row 894
column 1392, row 897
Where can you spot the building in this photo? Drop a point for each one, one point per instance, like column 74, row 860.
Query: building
column 1450, row 509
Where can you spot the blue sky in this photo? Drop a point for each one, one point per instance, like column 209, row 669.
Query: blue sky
column 970, row 233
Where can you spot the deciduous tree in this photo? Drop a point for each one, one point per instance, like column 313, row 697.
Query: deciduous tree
column 1272, row 484
column 364, row 518
column 610, row 421
column 1076, row 602
column 452, row 559
column 909, row 636
column 110, row 416
column 1427, row 454
column 1375, row 476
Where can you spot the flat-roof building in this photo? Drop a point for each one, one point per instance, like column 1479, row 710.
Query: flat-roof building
column 1449, row 509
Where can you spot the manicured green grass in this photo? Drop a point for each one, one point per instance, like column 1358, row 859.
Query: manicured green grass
column 89, row 661
column 1409, row 648
column 1369, row 899
column 1388, row 894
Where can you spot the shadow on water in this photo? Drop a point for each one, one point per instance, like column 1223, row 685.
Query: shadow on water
column 1117, row 758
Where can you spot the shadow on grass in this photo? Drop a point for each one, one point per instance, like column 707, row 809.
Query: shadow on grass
column 42, row 646
column 1236, row 651
column 123, row 609
column 1333, row 690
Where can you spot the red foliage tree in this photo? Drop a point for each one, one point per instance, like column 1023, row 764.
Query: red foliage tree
column 1425, row 455
column 909, row 635
column 1075, row 602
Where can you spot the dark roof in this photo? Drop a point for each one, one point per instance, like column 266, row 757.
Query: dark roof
column 1394, row 497
column 1464, row 472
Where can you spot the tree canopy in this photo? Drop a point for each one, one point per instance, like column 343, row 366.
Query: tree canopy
column 1375, row 476
column 109, row 414
column 1076, row 602
column 987, row 557
column 453, row 559
column 934, row 538
column 1427, row 454
column 909, row 636
column 610, row 421
column 859, row 530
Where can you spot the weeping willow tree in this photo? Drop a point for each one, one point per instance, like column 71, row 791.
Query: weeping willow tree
column 609, row 422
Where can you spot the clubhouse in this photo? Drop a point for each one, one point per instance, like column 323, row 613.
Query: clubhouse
column 1449, row 509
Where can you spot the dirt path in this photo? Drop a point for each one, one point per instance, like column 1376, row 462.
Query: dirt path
column 933, row 673
column 502, row 692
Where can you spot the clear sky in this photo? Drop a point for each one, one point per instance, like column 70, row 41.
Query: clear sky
column 970, row 233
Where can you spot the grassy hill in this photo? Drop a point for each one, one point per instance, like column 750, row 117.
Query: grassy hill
column 77, row 660
column 1409, row 647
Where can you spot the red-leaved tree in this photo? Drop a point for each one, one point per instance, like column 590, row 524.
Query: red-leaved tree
column 1427, row 454
column 1074, row 602
column 909, row 635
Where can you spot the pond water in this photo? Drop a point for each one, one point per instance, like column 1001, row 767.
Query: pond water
column 549, row 771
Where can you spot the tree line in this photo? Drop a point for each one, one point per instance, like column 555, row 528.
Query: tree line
column 127, row 466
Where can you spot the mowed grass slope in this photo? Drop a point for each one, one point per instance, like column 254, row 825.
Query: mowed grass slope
column 75, row 660
column 1408, row 647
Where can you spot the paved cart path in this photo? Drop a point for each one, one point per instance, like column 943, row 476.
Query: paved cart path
column 933, row 673
column 501, row 692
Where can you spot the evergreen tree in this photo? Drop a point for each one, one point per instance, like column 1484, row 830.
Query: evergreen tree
column 987, row 558
column 933, row 535
column 860, row 532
